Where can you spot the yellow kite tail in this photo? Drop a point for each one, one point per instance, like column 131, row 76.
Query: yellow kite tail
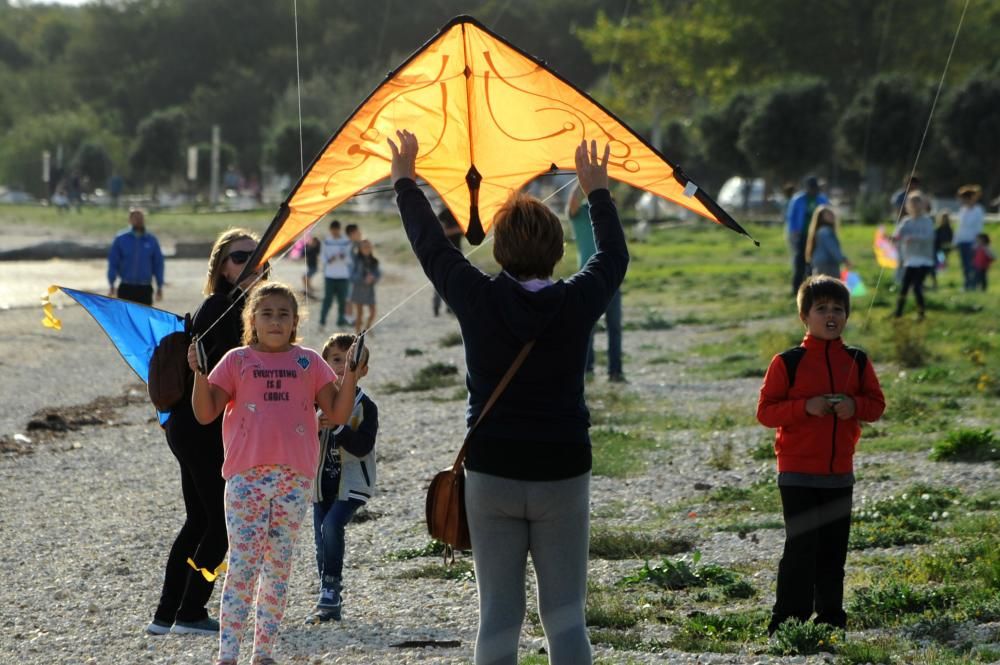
column 209, row 575
column 50, row 320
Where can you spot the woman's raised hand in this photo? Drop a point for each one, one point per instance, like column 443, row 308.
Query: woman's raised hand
column 591, row 172
column 404, row 156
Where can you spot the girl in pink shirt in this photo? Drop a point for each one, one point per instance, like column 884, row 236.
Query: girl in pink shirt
column 266, row 391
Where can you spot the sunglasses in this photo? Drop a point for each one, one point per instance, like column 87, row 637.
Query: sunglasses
column 240, row 256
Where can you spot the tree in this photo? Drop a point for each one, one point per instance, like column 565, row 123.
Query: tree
column 157, row 152
column 720, row 133
column 971, row 122
column 93, row 162
column 284, row 153
column 883, row 126
column 788, row 132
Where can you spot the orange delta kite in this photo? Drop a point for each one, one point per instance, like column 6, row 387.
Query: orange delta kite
column 489, row 118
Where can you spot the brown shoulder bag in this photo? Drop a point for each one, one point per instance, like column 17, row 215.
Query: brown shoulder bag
column 446, row 520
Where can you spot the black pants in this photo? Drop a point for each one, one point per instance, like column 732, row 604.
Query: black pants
column 912, row 277
column 198, row 449
column 140, row 293
column 811, row 572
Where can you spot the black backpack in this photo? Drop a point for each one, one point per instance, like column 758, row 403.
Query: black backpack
column 170, row 377
column 791, row 358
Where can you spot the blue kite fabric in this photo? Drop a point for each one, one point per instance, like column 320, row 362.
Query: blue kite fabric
column 134, row 329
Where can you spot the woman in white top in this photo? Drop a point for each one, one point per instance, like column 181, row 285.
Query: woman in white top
column 915, row 238
column 970, row 224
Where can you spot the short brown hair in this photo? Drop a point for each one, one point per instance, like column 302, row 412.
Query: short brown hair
column 257, row 294
column 822, row 287
column 342, row 342
column 527, row 237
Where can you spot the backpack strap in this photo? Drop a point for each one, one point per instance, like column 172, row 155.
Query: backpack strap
column 860, row 359
column 791, row 358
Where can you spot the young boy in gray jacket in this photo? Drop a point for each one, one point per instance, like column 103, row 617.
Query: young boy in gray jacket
column 345, row 480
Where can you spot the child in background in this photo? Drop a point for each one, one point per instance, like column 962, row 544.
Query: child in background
column 943, row 235
column 345, row 479
column 982, row 257
column 816, row 395
column 364, row 274
column 311, row 252
column 266, row 391
column 822, row 245
column 915, row 238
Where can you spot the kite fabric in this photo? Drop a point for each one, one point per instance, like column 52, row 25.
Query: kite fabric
column 886, row 253
column 134, row 329
column 854, row 283
column 489, row 118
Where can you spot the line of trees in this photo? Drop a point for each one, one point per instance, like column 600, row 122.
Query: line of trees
column 751, row 87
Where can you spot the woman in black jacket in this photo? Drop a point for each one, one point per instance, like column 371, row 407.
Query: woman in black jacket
column 527, row 467
column 201, row 544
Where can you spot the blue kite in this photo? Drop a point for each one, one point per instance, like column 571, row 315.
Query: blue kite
column 133, row 328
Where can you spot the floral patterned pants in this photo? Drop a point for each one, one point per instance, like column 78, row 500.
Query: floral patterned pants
column 265, row 507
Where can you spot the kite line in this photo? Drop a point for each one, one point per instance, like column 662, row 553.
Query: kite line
column 920, row 148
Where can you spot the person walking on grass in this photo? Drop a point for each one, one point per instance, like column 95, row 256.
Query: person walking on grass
column 816, row 395
column 136, row 259
column 335, row 259
column 983, row 256
column 528, row 464
column 266, row 391
column 365, row 274
column 800, row 211
column 345, row 480
column 915, row 238
column 971, row 218
column 823, row 252
column 578, row 212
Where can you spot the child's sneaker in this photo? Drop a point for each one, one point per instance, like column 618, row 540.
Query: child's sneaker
column 207, row 626
column 329, row 605
column 157, row 627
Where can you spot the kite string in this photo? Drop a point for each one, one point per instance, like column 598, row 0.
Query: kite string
column 467, row 255
column 920, row 147
column 298, row 86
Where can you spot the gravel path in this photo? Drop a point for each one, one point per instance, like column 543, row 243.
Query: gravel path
column 87, row 517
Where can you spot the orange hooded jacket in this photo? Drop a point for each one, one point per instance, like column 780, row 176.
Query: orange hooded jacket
column 819, row 445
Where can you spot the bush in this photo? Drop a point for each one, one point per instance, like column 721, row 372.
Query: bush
column 794, row 638
column 886, row 604
column 910, row 345
column 967, row 445
column 617, row 544
column 435, row 375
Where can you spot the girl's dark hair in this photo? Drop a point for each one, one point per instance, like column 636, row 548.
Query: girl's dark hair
column 818, row 288
column 257, row 294
column 527, row 237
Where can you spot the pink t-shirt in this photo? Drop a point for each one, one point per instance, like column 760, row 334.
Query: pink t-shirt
column 271, row 414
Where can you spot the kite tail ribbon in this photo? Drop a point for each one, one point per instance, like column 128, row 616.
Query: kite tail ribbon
column 209, row 575
column 50, row 320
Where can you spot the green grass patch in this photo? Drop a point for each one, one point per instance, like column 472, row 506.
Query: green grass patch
column 967, row 445
column 451, row 339
column 720, row 633
column 432, row 548
column 901, row 520
column 688, row 573
column 460, row 570
column 615, row 544
column 761, row 496
column 433, row 376
column 794, row 638
column 619, row 453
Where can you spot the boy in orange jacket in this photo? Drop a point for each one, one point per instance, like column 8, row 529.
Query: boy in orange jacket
column 816, row 395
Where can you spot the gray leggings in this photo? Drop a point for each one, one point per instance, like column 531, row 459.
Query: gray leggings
column 551, row 519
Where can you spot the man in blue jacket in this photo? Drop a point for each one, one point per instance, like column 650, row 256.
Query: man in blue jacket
column 136, row 259
column 800, row 211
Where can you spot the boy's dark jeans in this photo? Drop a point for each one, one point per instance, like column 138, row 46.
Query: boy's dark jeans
column 329, row 520
column 811, row 572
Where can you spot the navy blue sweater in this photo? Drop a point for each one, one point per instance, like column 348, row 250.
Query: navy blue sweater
column 537, row 430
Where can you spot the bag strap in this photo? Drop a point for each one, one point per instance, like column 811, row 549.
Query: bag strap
column 518, row 361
